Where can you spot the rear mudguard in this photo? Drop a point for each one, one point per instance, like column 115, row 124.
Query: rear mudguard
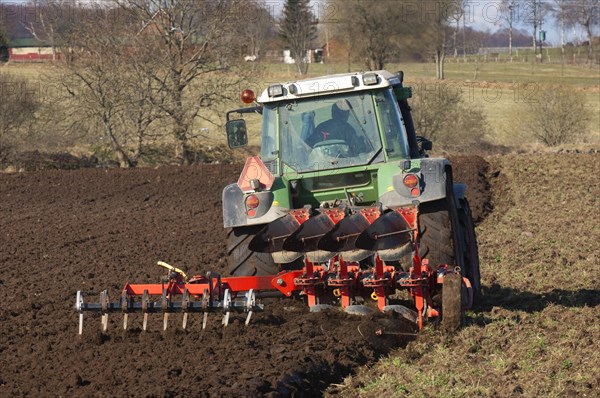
column 235, row 212
column 433, row 173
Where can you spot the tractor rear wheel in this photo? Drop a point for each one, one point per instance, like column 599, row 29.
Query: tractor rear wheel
column 453, row 297
column 442, row 240
column 440, row 234
column 242, row 260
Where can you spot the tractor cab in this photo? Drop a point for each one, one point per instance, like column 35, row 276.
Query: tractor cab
column 333, row 122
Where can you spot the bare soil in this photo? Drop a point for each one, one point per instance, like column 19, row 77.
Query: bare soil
column 93, row 229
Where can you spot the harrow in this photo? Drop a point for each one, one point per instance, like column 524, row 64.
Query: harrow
column 344, row 264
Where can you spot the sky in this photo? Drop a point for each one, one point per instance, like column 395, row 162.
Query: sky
column 480, row 14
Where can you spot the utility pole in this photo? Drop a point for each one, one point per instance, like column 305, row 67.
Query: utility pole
column 535, row 26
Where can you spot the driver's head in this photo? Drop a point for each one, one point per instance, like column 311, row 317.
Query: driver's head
column 340, row 110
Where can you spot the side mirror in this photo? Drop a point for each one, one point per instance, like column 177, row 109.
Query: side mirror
column 237, row 135
column 424, row 144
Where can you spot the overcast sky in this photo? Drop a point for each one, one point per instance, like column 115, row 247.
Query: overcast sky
column 480, row 14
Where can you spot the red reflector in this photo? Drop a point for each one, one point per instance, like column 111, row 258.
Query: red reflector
column 248, row 96
column 251, row 213
column 252, row 202
column 415, row 192
column 411, row 180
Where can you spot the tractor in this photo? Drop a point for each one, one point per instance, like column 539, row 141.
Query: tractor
column 343, row 208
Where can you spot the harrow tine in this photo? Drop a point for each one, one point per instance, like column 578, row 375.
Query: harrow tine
column 125, row 308
column 165, row 307
column 204, row 307
column 165, row 321
column 145, row 301
column 215, row 299
column 250, row 299
column 184, row 307
column 79, row 308
column 226, row 307
column 104, row 302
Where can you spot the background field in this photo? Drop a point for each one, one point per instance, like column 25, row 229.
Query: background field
column 501, row 89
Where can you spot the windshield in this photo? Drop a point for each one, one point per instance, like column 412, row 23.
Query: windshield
column 321, row 133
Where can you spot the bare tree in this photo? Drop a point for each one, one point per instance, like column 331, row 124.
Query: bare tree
column 96, row 79
column 298, row 30
column 560, row 12
column 534, row 20
column 438, row 31
column 259, row 31
column 377, row 31
column 365, row 25
column 536, row 15
column 508, row 11
column 50, row 22
column 189, row 50
column 588, row 17
column 456, row 13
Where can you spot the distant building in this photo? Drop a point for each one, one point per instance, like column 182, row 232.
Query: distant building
column 20, row 21
column 31, row 50
column 314, row 55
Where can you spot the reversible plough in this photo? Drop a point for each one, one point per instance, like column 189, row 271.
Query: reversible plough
column 342, row 279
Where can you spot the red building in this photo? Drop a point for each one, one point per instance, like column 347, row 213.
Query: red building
column 31, row 50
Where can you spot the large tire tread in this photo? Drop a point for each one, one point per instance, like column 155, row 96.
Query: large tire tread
column 242, row 260
column 453, row 297
column 437, row 243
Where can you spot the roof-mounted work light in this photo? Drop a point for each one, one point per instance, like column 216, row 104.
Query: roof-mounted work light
column 370, row 79
column 275, row 90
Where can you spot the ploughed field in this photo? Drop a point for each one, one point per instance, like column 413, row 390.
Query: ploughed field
column 95, row 229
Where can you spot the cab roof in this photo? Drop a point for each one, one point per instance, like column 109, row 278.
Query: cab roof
column 327, row 85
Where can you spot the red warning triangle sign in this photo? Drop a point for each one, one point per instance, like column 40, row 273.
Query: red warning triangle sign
column 255, row 169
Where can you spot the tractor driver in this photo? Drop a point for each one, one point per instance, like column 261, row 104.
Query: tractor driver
column 336, row 128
